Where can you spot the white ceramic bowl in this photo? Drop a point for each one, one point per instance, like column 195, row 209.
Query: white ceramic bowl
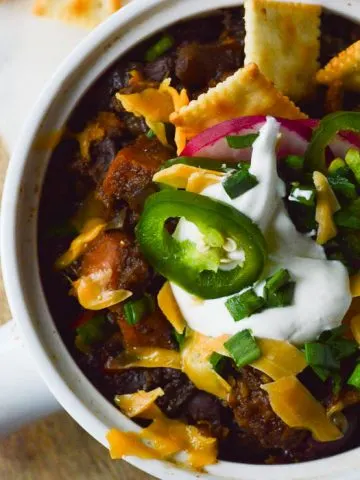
column 19, row 251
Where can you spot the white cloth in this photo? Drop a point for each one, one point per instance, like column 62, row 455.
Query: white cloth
column 31, row 48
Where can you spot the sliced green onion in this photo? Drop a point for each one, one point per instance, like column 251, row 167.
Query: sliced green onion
column 331, row 335
column 134, row 310
column 217, row 361
column 336, row 383
column 180, row 338
column 150, row 133
column 349, row 217
column 244, row 304
column 279, row 289
column 159, row 48
column 92, row 331
column 282, row 297
column 294, row 162
column 352, row 159
column 354, row 379
column 343, row 186
column 241, row 141
column 243, row 348
column 239, row 182
column 342, row 347
column 322, row 373
column 320, row 355
column 277, row 280
column 336, row 165
column 301, row 194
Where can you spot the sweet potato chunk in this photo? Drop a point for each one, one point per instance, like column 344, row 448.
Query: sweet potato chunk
column 116, row 251
column 152, row 331
column 129, row 177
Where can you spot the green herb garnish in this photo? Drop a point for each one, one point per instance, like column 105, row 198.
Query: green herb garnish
column 243, row 348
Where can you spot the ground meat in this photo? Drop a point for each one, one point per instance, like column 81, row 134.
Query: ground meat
column 177, row 387
column 161, row 68
column 254, row 414
column 135, row 125
column 101, row 95
column 99, row 142
column 103, row 153
column 117, row 251
column 206, row 410
column 337, row 33
column 129, row 177
column 200, row 30
column 197, row 65
column 152, row 331
column 234, row 24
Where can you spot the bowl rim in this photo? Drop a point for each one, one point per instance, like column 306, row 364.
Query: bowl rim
column 19, row 237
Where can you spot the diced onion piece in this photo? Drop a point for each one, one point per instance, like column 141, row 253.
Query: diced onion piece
column 296, row 407
column 355, row 327
column 326, row 206
column 170, row 308
column 355, row 285
column 145, row 357
column 279, row 359
column 91, row 230
column 195, row 364
column 178, row 175
column 135, row 404
column 93, row 294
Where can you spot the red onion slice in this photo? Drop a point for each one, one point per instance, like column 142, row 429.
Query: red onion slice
column 212, row 143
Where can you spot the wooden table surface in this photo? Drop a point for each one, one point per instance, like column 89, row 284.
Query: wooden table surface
column 55, row 448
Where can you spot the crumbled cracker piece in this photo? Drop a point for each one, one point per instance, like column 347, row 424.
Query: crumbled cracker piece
column 247, row 92
column 87, row 13
column 283, row 40
column 345, row 67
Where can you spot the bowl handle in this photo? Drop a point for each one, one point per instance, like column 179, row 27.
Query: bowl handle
column 24, row 397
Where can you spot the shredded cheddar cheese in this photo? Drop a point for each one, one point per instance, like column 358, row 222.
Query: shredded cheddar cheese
column 93, row 294
column 156, row 105
column 279, row 359
column 198, row 181
column 355, row 327
column 90, row 209
column 96, row 130
column 326, row 206
column 90, row 231
column 164, row 438
column 146, row 357
column 170, row 308
column 136, row 404
column 296, row 407
column 129, row 443
column 195, row 364
column 179, row 175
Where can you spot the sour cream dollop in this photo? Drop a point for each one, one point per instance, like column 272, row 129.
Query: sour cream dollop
column 322, row 294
